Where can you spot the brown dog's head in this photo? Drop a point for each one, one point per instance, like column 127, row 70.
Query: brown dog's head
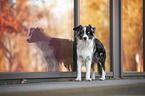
column 35, row 35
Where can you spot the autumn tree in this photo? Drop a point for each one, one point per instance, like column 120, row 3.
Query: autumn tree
column 17, row 17
column 14, row 21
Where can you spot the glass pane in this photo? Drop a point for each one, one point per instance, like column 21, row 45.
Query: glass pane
column 132, row 36
column 96, row 13
column 50, row 43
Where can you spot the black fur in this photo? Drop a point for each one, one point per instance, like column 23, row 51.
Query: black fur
column 90, row 31
column 99, row 55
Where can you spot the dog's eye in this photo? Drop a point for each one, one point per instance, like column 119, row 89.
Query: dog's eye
column 88, row 32
column 82, row 31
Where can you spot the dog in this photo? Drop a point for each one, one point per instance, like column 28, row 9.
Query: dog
column 54, row 50
column 90, row 51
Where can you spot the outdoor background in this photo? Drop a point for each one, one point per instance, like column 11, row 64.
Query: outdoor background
column 56, row 17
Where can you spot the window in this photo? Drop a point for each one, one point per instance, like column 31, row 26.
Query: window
column 132, row 35
column 119, row 25
column 55, row 17
column 96, row 13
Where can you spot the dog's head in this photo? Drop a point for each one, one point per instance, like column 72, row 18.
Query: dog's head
column 85, row 33
column 35, row 35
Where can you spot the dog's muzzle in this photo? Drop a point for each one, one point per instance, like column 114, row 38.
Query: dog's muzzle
column 85, row 38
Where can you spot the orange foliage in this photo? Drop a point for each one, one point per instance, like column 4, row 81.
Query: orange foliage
column 12, row 31
column 10, row 22
column 16, row 17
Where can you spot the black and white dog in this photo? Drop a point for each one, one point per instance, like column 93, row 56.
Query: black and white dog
column 90, row 51
column 54, row 50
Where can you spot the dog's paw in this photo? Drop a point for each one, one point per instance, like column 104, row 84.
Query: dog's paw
column 93, row 78
column 78, row 79
column 102, row 79
column 88, row 79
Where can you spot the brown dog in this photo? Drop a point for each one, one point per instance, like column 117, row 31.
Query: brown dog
column 55, row 51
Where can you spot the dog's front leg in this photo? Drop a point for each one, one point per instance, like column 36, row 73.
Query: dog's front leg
column 93, row 71
column 88, row 66
column 79, row 67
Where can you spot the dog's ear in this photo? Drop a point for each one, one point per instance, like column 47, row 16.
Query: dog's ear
column 31, row 29
column 40, row 33
column 77, row 28
column 93, row 29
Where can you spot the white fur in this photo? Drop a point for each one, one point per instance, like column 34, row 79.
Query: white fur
column 103, row 75
column 93, row 74
column 84, row 56
column 85, row 35
column 85, row 52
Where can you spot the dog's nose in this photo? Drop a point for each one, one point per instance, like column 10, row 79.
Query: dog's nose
column 85, row 38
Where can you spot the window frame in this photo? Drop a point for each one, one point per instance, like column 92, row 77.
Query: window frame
column 115, row 50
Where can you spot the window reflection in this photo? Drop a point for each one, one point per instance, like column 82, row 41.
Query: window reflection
column 17, row 17
column 132, row 36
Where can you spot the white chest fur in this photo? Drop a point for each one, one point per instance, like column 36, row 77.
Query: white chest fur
column 84, row 56
column 85, row 48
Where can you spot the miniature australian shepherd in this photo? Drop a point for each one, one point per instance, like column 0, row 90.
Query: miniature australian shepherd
column 90, row 51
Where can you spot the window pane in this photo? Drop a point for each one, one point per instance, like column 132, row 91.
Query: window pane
column 132, row 36
column 54, row 18
column 96, row 13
